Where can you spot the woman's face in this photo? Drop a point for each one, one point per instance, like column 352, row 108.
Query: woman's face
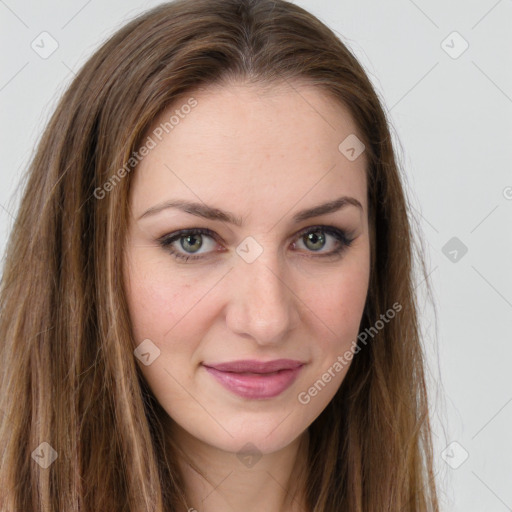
column 260, row 174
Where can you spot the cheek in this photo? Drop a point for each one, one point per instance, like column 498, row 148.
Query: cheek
column 159, row 301
column 338, row 306
column 149, row 304
column 346, row 300
column 165, row 312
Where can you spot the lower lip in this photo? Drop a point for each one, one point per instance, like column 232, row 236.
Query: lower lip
column 256, row 386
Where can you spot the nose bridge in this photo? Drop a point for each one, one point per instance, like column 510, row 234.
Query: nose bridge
column 263, row 305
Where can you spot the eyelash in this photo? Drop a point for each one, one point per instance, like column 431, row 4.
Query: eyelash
column 345, row 240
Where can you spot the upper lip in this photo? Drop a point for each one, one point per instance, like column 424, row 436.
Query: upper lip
column 254, row 366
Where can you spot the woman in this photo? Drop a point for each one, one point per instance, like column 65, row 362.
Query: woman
column 207, row 298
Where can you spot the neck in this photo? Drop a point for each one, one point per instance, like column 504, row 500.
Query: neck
column 220, row 481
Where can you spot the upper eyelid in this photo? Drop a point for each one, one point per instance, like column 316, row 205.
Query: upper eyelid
column 209, row 232
column 176, row 235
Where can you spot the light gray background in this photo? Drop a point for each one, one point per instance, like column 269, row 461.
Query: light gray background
column 451, row 123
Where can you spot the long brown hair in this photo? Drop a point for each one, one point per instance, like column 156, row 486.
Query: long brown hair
column 68, row 375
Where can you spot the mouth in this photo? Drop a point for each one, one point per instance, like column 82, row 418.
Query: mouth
column 254, row 366
column 256, row 379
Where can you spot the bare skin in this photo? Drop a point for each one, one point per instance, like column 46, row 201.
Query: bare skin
column 263, row 155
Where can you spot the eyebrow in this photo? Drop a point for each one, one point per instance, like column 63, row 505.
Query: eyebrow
column 208, row 212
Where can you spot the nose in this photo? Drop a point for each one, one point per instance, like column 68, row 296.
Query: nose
column 263, row 305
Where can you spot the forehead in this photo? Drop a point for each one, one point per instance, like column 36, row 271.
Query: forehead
column 251, row 144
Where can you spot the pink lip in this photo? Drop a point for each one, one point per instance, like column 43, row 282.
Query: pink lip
column 256, row 379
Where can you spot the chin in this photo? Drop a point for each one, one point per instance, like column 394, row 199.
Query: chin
column 261, row 440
